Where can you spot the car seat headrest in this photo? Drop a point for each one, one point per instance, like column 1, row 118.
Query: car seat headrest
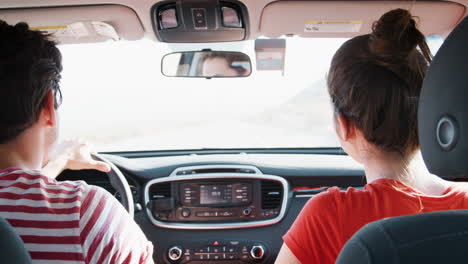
column 443, row 108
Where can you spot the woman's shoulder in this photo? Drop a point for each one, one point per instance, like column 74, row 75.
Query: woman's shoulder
column 463, row 186
column 458, row 187
column 335, row 199
column 338, row 194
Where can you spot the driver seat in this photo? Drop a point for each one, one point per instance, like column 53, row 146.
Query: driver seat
column 438, row 237
column 12, row 249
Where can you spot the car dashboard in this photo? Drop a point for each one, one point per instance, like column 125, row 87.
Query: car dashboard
column 223, row 208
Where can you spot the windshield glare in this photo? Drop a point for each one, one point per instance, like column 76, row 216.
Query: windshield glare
column 116, row 97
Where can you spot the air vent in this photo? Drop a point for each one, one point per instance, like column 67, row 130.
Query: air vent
column 160, row 191
column 272, row 194
column 215, row 170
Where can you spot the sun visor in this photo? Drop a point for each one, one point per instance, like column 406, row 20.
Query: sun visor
column 351, row 18
column 84, row 24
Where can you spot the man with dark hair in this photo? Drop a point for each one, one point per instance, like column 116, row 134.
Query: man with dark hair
column 219, row 64
column 59, row 222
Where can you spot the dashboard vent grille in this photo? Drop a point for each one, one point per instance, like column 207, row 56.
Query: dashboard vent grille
column 272, row 194
column 215, row 170
column 160, row 191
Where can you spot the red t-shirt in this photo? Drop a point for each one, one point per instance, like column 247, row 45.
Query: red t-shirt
column 329, row 219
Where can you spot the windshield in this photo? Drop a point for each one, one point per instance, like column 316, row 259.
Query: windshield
column 116, row 97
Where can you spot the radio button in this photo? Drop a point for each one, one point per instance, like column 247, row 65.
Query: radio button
column 247, row 211
column 245, row 250
column 202, row 214
column 231, row 250
column 202, row 257
column 185, row 212
column 231, row 256
column 175, row 253
column 187, row 258
column 226, row 213
column 257, row 252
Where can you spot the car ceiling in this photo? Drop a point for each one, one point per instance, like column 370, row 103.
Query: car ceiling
column 266, row 16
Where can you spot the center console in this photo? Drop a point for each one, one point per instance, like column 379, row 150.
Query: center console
column 216, row 200
column 210, row 200
column 216, row 197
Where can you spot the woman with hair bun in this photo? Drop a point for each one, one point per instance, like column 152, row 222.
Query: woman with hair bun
column 374, row 82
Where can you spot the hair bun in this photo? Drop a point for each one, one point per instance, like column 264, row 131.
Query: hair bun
column 395, row 35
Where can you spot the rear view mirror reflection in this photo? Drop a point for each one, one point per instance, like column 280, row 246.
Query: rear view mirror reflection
column 206, row 64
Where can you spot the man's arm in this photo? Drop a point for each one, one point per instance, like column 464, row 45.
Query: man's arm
column 109, row 234
column 73, row 155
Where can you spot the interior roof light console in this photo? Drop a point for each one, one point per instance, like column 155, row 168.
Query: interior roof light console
column 200, row 21
column 216, row 197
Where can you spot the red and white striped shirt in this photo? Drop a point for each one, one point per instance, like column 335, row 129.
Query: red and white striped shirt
column 70, row 222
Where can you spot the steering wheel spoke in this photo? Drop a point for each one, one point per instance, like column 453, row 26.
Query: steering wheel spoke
column 120, row 184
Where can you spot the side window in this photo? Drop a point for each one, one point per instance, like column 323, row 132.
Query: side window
column 434, row 43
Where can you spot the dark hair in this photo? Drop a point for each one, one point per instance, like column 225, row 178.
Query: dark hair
column 30, row 66
column 230, row 59
column 375, row 81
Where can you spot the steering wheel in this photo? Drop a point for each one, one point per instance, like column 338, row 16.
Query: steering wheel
column 120, row 184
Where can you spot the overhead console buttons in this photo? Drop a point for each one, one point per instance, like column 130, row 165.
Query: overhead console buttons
column 199, row 18
column 200, row 21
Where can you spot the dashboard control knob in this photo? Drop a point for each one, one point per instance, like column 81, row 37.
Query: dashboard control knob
column 257, row 252
column 247, row 211
column 175, row 253
column 186, row 212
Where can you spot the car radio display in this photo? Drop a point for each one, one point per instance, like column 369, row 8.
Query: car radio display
column 216, row 194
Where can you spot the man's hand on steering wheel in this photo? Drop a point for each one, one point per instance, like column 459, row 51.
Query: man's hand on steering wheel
column 78, row 155
column 73, row 155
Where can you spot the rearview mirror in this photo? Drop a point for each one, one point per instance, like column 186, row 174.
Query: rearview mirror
column 206, row 64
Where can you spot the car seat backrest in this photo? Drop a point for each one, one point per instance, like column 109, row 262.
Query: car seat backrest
column 12, row 249
column 443, row 108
